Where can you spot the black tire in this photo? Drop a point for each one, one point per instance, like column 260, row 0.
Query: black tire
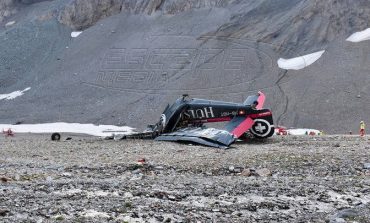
column 55, row 137
column 262, row 128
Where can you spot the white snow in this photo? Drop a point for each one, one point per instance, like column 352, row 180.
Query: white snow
column 10, row 23
column 298, row 132
column 75, row 34
column 89, row 129
column 13, row 95
column 359, row 36
column 301, row 62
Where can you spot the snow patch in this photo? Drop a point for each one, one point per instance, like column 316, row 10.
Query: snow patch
column 359, row 36
column 89, row 129
column 75, row 34
column 13, row 95
column 301, row 62
column 299, row 132
column 10, row 23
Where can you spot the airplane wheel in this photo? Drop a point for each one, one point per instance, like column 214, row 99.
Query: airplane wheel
column 262, row 129
column 55, row 137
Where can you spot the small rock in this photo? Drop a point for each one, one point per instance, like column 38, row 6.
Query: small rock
column 137, row 171
column 5, row 179
column 231, row 168
column 3, row 213
column 338, row 220
column 344, row 215
column 159, row 168
column 159, row 217
column 58, row 217
column 127, row 219
column 358, row 96
column 246, row 172
column 367, row 166
column 66, row 174
column 264, row 172
column 128, row 195
column 137, row 177
column 357, row 203
column 238, row 169
column 17, row 177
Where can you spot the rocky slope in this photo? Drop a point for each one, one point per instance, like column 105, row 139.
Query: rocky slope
column 288, row 179
column 135, row 56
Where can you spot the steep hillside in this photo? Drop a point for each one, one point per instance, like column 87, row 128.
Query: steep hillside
column 134, row 56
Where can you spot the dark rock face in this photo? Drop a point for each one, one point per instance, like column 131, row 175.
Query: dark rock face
column 7, row 8
column 31, row 1
column 299, row 25
column 80, row 14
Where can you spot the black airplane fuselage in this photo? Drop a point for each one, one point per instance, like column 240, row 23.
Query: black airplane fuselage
column 199, row 110
column 194, row 111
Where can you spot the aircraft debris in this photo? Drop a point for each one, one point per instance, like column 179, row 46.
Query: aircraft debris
column 184, row 121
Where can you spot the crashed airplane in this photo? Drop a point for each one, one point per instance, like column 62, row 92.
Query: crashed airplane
column 184, row 121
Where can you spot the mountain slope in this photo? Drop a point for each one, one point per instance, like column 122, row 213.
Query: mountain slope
column 133, row 57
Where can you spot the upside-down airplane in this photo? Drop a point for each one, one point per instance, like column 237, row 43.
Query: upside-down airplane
column 184, row 121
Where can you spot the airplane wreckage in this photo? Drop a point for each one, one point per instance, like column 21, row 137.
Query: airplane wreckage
column 184, row 121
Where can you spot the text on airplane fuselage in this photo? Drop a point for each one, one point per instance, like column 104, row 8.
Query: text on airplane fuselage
column 200, row 113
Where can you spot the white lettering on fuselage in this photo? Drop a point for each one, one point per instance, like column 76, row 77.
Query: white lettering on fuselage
column 200, row 113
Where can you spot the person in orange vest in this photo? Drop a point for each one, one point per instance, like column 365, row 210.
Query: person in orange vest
column 362, row 128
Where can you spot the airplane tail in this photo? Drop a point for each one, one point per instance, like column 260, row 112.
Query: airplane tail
column 258, row 99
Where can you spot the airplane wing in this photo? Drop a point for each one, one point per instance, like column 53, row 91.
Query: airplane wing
column 239, row 125
column 205, row 136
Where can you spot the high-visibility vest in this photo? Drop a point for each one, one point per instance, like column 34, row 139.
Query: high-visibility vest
column 362, row 126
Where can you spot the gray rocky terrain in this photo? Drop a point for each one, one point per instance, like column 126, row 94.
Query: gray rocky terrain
column 285, row 179
column 136, row 56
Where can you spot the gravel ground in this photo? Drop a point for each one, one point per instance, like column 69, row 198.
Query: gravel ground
column 284, row 179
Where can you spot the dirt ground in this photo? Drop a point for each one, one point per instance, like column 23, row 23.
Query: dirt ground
column 85, row 179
